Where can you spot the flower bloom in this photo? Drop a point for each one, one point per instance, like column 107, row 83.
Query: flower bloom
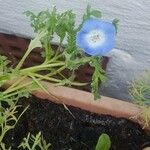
column 96, row 37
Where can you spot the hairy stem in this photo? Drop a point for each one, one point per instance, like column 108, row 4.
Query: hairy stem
column 41, row 67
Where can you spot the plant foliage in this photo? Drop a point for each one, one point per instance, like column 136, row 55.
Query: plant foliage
column 63, row 26
column 46, row 24
column 140, row 92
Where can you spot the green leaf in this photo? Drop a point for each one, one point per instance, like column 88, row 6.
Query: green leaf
column 89, row 13
column 97, row 77
column 32, row 142
column 115, row 23
column 61, row 31
column 2, row 119
column 140, row 90
column 96, row 13
column 103, row 143
column 2, row 109
column 74, row 64
column 36, row 42
column 88, row 9
column 3, row 65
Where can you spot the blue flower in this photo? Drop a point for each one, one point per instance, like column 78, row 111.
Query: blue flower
column 96, row 37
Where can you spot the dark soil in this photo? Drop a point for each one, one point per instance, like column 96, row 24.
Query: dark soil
column 77, row 131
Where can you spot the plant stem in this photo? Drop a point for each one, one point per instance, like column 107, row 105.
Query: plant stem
column 23, row 59
column 33, row 44
column 17, row 82
column 18, row 87
column 41, row 67
column 56, row 57
column 57, row 80
column 48, row 49
column 17, row 92
column 45, row 77
column 57, row 71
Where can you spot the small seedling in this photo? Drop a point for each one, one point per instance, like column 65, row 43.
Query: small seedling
column 104, row 142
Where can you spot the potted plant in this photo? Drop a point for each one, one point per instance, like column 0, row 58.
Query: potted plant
column 85, row 44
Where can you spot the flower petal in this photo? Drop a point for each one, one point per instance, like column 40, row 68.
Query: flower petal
column 102, row 36
column 80, row 40
column 90, row 24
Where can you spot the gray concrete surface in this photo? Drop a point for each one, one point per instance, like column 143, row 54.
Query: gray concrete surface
column 132, row 52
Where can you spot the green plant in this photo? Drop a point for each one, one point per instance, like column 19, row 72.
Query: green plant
column 34, row 143
column 8, row 115
column 8, row 120
column 140, row 92
column 103, row 143
column 68, row 55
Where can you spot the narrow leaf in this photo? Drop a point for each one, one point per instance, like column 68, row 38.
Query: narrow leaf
column 96, row 13
column 115, row 23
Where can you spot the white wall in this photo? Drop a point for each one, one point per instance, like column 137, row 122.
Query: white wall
column 132, row 52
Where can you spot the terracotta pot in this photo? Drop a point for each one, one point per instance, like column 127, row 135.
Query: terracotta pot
column 85, row 100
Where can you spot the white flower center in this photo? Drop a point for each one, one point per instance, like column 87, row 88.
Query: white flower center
column 95, row 38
